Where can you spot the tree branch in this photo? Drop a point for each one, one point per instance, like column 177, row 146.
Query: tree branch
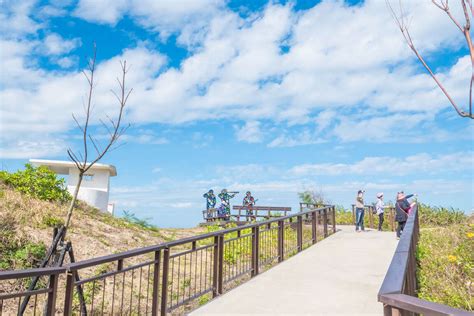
column 401, row 23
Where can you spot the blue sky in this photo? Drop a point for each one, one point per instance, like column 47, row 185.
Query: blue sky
column 274, row 97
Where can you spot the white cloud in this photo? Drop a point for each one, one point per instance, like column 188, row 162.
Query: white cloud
column 419, row 163
column 304, row 138
column 340, row 59
column 249, row 133
column 54, row 44
column 163, row 16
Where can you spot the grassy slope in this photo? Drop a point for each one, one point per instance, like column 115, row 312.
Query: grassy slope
column 92, row 232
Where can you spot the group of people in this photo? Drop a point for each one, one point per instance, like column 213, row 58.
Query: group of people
column 402, row 209
column 223, row 210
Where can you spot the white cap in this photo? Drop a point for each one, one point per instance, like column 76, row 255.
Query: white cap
column 379, row 195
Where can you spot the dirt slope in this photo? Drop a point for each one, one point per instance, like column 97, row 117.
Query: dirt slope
column 92, row 232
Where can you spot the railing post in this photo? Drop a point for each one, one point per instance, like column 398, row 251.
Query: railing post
column 392, row 219
column 215, row 267
column 325, row 222
column 333, row 219
column 371, row 217
column 69, row 293
column 255, row 250
column 164, row 282
column 314, row 227
column 53, row 287
column 299, row 233
column 156, row 283
column 281, row 234
column 220, row 265
column 353, row 214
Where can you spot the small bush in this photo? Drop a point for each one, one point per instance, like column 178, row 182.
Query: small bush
column 440, row 216
column 446, row 265
column 52, row 221
column 39, row 182
column 17, row 252
column 142, row 222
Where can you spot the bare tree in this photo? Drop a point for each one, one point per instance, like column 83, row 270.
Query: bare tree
column 113, row 127
column 400, row 18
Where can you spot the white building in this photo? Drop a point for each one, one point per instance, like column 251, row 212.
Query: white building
column 95, row 184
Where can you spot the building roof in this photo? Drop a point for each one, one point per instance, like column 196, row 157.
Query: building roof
column 62, row 166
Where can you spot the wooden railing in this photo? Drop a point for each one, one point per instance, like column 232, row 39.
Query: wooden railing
column 389, row 212
column 399, row 288
column 175, row 277
column 240, row 213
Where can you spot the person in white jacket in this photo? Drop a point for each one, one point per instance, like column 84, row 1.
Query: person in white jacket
column 379, row 208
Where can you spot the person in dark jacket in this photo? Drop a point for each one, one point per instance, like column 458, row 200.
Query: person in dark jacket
column 401, row 212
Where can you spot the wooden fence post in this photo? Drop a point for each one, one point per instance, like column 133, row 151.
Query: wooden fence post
column 314, row 227
column 333, row 219
column 353, row 214
column 325, row 222
column 53, row 287
column 215, row 267
column 255, row 250
column 281, row 234
column 69, row 293
column 220, row 265
column 156, row 283
column 299, row 233
column 164, row 284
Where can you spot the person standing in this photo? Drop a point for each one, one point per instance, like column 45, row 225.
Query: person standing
column 379, row 209
column 225, row 203
column 359, row 204
column 248, row 203
column 210, row 202
column 401, row 216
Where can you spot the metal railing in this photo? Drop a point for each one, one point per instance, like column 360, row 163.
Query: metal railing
column 173, row 277
column 399, row 288
column 245, row 213
column 389, row 211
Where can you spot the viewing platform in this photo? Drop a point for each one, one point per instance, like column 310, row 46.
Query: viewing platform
column 340, row 275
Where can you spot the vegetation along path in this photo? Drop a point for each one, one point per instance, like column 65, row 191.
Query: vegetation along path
column 340, row 275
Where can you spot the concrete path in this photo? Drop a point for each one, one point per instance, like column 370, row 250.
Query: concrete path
column 340, row 275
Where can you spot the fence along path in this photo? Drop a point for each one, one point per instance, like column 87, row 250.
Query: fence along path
column 170, row 278
column 341, row 275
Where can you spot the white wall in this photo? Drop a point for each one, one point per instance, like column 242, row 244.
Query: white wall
column 94, row 192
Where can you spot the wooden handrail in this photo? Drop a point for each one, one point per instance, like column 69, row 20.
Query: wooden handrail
column 399, row 287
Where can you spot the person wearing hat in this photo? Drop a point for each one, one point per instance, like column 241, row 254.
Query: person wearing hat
column 225, row 203
column 210, row 202
column 379, row 209
column 248, row 203
column 402, row 208
column 359, row 205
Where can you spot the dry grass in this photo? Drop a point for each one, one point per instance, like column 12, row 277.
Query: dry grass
column 92, row 232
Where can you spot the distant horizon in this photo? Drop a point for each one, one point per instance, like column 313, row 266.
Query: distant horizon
column 274, row 97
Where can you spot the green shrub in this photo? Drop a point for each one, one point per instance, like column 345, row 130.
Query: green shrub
column 446, row 265
column 142, row 222
column 204, row 299
column 440, row 216
column 52, row 221
column 17, row 252
column 39, row 182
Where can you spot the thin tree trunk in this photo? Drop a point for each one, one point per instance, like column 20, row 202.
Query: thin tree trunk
column 73, row 201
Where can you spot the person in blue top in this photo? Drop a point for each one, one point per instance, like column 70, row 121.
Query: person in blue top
column 210, row 202
column 224, row 208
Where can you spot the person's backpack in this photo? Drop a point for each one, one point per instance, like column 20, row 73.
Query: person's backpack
column 374, row 208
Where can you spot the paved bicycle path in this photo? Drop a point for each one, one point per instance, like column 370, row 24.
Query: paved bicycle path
column 340, row 275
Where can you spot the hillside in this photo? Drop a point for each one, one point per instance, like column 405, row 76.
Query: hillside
column 26, row 226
